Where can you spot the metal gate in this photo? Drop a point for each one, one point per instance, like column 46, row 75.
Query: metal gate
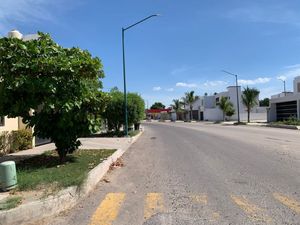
column 41, row 141
column 285, row 110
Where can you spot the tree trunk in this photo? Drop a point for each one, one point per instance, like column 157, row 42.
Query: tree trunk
column 62, row 156
column 191, row 112
column 223, row 116
column 248, row 115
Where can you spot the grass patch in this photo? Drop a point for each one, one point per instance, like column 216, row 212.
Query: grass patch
column 131, row 133
column 240, row 123
column 11, row 202
column 44, row 171
column 290, row 121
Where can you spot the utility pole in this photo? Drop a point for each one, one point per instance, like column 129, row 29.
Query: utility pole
column 237, row 93
column 124, row 69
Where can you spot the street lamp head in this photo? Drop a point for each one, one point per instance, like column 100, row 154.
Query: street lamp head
column 224, row 71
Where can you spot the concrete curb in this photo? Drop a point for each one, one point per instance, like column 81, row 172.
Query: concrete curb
column 292, row 127
column 63, row 200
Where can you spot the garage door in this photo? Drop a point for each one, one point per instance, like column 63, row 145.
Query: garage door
column 41, row 141
column 285, row 110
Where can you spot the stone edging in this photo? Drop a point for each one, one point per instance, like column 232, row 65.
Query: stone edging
column 63, row 200
column 293, row 127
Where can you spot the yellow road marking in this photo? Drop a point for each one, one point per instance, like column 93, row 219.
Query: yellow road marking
column 202, row 198
column 215, row 216
column 108, row 210
column 154, row 203
column 289, row 202
column 253, row 211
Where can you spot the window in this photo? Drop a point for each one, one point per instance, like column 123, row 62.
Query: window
column 2, row 121
column 217, row 100
column 298, row 87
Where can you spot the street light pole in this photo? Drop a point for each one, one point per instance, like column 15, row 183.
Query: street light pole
column 124, row 79
column 284, row 89
column 237, row 93
column 124, row 69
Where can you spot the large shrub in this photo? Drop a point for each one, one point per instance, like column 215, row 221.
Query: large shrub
column 114, row 113
column 4, row 143
column 15, row 141
column 20, row 140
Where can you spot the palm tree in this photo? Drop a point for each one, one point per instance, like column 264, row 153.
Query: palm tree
column 190, row 98
column 184, row 103
column 250, row 99
column 177, row 106
column 226, row 106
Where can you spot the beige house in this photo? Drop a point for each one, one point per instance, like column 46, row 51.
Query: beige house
column 10, row 124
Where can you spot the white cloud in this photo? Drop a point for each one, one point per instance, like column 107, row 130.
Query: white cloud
column 215, row 83
column 189, row 85
column 293, row 66
column 260, row 80
column 267, row 92
column 156, row 88
column 293, row 71
column 170, row 89
column 14, row 12
column 263, row 13
column 281, row 77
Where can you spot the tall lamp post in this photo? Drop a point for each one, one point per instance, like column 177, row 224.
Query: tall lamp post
column 237, row 93
column 284, row 89
column 124, row 69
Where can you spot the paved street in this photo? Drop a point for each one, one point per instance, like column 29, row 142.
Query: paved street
column 197, row 173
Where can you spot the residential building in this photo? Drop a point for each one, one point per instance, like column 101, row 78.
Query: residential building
column 157, row 114
column 206, row 107
column 285, row 104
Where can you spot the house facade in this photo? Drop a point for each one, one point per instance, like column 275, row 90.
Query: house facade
column 9, row 124
column 157, row 114
column 285, row 104
column 207, row 107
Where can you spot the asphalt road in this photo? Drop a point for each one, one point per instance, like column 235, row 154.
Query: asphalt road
column 196, row 173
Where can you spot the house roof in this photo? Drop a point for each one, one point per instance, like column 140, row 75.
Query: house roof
column 158, row 110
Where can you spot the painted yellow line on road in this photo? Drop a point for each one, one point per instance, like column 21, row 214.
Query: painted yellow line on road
column 289, row 202
column 215, row 216
column 154, row 203
column 108, row 210
column 254, row 212
column 202, row 198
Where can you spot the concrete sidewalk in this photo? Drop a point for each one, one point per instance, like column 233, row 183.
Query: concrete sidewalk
column 86, row 143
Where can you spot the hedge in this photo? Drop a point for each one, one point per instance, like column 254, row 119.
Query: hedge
column 15, row 141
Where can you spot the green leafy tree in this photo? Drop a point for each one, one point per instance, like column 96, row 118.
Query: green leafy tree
column 136, row 109
column 230, row 111
column 226, row 106
column 177, row 106
column 264, row 102
column 158, row 105
column 250, row 99
column 56, row 90
column 114, row 113
column 189, row 99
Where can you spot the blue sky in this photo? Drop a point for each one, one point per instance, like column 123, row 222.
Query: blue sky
column 184, row 49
